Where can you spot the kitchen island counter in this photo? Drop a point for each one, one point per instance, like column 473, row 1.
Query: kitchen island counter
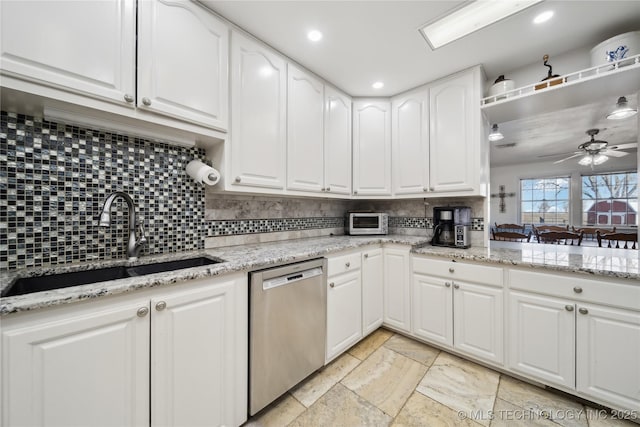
column 613, row 263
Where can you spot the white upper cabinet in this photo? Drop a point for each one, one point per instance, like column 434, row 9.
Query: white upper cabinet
column 305, row 150
column 371, row 148
column 182, row 62
column 456, row 141
column 258, row 116
column 337, row 142
column 85, row 47
column 410, row 142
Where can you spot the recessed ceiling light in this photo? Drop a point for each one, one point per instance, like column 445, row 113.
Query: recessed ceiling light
column 470, row 18
column 377, row 85
column 543, row 17
column 314, row 35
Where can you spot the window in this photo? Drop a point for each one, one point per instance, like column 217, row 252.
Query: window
column 610, row 199
column 544, row 200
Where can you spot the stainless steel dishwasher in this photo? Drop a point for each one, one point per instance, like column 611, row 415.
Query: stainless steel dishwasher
column 287, row 328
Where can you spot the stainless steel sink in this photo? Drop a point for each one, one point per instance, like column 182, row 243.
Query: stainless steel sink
column 30, row 285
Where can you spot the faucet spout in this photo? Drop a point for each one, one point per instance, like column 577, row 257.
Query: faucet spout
column 137, row 238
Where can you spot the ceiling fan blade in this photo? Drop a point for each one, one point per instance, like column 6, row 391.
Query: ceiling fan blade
column 567, row 158
column 560, row 154
column 614, row 153
column 624, row 146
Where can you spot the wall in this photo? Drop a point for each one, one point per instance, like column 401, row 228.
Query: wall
column 510, row 176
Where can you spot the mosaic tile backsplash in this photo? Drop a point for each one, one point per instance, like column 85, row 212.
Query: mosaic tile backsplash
column 54, row 179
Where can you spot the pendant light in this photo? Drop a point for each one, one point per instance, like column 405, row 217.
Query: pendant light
column 622, row 110
column 495, row 134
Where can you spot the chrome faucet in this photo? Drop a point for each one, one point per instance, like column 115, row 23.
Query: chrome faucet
column 137, row 238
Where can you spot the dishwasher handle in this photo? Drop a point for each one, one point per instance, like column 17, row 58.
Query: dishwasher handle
column 291, row 278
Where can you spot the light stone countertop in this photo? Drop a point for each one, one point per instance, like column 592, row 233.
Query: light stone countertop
column 615, row 263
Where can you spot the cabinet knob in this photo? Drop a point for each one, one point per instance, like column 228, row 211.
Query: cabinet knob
column 355, row 191
column 128, row 97
column 328, row 188
column 238, row 179
column 583, row 311
column 432, row 188
column 568, row 307
column 348, row 264
column 577, row 290
column 366, row 255
column 425, row 189
column 447, row 284
column 451, row 270
column 323, row 189
column 161, row 305
column 143, row 311
column 332, row 285
column 456, row 286
column 146, row 101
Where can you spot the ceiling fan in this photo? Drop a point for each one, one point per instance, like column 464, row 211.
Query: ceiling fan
column 596, row 152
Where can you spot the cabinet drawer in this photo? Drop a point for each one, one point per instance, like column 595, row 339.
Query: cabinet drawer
column 343, row 263
column 577, row 288
column 458, row 271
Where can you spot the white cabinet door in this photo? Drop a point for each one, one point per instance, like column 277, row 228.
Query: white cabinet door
column 344, row 312
column 305, row 150
column 397, row 289
column 541, row 337
column 477, row 320
column 608, row 355
column 182, row 62
column 86, row 47
column 372, row 290
column 454, row 134
column 432, row 311
column 372, row 148
column 337, row 142
column 195, row 358
column 410, row 143
column 258, row 111
column 89, row 367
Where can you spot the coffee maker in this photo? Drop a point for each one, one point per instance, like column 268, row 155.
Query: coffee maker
column 451, row 226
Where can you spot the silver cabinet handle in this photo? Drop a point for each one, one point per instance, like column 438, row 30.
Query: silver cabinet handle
column 161, row 306
column 568, row 307
column 128, row 97
column 456, row 286
column 447, row 284
column 366, row 255
column 577, row 290
column 146, row 101
column 451, row 270
column 143, row 311
column 332, row 285
column 348, row 264
column 238, row 179
column 583, row 311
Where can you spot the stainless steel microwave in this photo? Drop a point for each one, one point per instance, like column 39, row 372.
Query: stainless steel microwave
column 362, row 223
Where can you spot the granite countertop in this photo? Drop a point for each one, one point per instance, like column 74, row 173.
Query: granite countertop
column 616, row 263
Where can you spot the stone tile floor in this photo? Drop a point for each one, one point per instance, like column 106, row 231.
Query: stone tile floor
column 388, row 379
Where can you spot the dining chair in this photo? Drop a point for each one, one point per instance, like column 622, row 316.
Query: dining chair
column 630, row 240
column 560, row 237
column 538, row 229
column 510, row 236
column 593, row 231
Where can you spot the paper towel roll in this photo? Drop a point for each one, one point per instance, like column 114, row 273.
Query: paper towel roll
column 202, row 173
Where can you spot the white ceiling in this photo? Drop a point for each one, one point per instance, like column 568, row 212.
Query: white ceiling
column 366, row 41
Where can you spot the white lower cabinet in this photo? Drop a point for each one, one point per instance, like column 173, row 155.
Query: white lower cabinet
column 608, row 354
column 89, row 364
column 397, row 288
column 450, row 310
column 372, row 290
column 541, row 337
column 344, row 313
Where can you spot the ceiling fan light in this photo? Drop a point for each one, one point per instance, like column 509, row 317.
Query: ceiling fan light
column 622, row 110
column 585, row 161
column 495, row 134
column 599, row 159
